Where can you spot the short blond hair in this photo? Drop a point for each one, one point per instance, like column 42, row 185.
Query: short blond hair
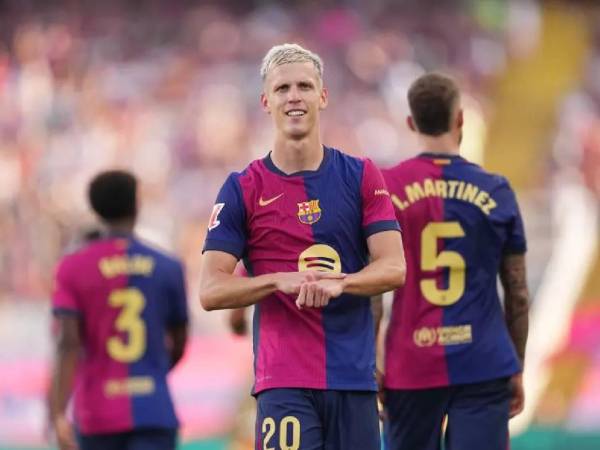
column 287, row 54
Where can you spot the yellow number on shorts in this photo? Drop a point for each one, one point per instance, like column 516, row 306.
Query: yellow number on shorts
column 432, row 260
column 268, row 426
column 287, row 424
column 283, row 433
column 129, row 320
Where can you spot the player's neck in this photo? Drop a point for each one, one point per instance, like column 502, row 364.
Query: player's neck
column 444, row 144
column 121, row 227
column 292, row 156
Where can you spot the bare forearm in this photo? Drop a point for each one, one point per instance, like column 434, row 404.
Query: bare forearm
column 379, row 276
column 517, row 323
column 516, row 301
column 62, row 382
column 177, row 341
column 225, row 291
column 377, row 311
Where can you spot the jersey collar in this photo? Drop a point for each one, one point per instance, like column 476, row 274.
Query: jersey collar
column 439, row 155
column 273, row 168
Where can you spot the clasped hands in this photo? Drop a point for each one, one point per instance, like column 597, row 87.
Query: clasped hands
column 314, row 288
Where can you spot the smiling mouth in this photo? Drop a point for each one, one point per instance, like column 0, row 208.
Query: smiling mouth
column 295, row 113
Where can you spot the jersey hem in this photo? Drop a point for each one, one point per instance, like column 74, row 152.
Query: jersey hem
column 402, row 386
column 352, row 386
column 124, row 428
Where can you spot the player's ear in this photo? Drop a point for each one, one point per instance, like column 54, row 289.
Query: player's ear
column 324, row 100
column 460, row 120
column 411, row 123
column 265, row 103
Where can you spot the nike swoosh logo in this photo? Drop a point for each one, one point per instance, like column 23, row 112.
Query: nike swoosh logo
column 262, row 202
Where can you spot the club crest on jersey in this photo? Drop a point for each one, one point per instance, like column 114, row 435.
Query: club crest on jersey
column 214, row 222
column 425, row 336
column 309, row 212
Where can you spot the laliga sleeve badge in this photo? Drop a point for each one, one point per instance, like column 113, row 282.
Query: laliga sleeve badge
column 214, row 216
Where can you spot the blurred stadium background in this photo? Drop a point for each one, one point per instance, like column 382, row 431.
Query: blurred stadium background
column 170, row 90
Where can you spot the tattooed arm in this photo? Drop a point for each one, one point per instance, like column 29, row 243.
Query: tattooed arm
column 516, row 300
column 516, row 304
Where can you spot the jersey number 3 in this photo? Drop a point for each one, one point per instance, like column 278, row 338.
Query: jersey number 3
column 132, row 302
column 432, row 260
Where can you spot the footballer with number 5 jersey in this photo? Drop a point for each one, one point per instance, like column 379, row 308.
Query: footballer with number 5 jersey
column 451, row 350
column 317, row 233
column 122, row 317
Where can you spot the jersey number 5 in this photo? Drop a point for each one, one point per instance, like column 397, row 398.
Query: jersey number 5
column 132, row 302
column 432, row 260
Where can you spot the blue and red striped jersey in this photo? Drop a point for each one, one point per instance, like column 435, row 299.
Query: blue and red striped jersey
column 310, row 220
column 447, row 325
column 126, row 295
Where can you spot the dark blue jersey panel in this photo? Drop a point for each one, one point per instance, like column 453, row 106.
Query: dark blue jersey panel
column 227, row 227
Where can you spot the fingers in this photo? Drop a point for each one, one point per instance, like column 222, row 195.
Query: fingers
column 515, row 410
column 321, row 298
column 318, row 297
column 64, row 434
column 301, row 300
column 317, row 289
column 313, row 295
column 66, row 440
column 517, row 404
column 311, row 289
column 68, row 445
column 306, row 296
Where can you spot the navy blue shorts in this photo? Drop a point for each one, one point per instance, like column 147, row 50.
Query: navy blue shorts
column 477, row 417
column 312, row 419
column 142, row 439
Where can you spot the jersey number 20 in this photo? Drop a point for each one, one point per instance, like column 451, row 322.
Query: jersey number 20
column 432, row 260
column 132, row 302
column 288, row 423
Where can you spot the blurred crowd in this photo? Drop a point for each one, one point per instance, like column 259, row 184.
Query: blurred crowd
column 577, row 143
column 171, row 89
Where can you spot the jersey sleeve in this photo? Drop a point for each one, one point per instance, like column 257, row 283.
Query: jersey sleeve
column 378, row 211
column 227, row 224
column 515, row 232
column 178, row 311
column 64, row 296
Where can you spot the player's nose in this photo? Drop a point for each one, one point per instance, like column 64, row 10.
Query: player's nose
column 294, row 95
